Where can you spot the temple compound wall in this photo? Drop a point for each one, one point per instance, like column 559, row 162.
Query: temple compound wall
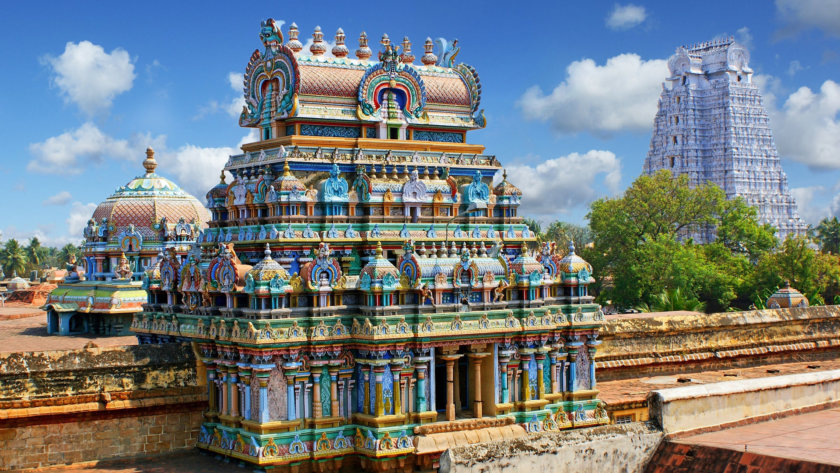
column 79, row 406
column 655, row 345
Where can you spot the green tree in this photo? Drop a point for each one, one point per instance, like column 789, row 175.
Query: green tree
column 563, row 232
column 672, row 300
column 65, row 252
column 827, row 235
column 641, row 249
column 815, row 274
column 13, row 258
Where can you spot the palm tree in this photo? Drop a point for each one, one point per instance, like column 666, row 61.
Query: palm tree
column 828, row 235
column 34, row 252
column 13, row 257
column 66, row 251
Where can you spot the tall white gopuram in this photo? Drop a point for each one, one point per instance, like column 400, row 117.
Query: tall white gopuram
column 712, row 126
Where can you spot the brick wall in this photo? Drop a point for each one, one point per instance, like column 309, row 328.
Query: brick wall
column 77, row 439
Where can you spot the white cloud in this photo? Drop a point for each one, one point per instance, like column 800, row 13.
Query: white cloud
column 805, row 14
column 807, row 126
column 807, row 199
column 59, row 199
column 78, row 218
column 233, row 106
column 794, row 67
column 61, row 154
column 90, row 77
column 601, row 99
column 745, row 37
column 624, row 17
column 558, row 185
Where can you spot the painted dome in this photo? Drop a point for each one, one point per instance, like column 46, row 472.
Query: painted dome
column 505, row 188
column 786, row 297
column 140, row 206
column 218, row 193
column 379, row 267
column 288, row 182
column 572, row 263
column 267, row 268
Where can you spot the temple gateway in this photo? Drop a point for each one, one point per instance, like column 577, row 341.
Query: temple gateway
column 363, row 290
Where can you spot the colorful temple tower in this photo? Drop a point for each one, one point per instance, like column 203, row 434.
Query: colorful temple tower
column 362, row 289
column 712, row 126
column 127, row 233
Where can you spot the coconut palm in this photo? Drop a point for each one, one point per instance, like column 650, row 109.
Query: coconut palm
column 34, row 253
column 828, row 235
column 13, row 257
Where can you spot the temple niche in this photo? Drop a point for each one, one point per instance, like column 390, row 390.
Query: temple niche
column 712, row 126
column 361, row 288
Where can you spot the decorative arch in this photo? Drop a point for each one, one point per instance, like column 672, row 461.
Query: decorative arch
column 278, row 73
column 406, row 82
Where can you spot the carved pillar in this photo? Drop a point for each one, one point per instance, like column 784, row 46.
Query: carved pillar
column 366, row 387
column 396, row 369
column 450, row 385
column 591, row 345
column 317, row 410
column 378, row 405
column 525, row 363
column 211, row 388
column 290, row 370
column 572, row 376
column 245, row 378
column 540, row 358
column 264, row 413
column 223, row 385
column 420, row 392
column 475, row 359
column 234, row 394
column 334, row 391
column 504, row 359
column 555, row 388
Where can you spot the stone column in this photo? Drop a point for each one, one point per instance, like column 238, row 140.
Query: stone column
column 211, row 388
column 396, row 369
column 475, row 359
column 540, row 358
column 525, row 363
column 264, row 413
column 450, row 385
column 555, row 388
column 378, row 405
column 317, row 410
column 420, row 392
column 333, row 370
column 246, row 395
column 504, row 359
column 592, row 343
column 572, row 376
column 290, row 371
column 366, row 387
column 223, row 385
column 234, row 394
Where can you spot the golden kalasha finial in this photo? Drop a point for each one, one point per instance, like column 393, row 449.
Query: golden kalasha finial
column 294, row 44
column 429, row 58
column 385, row 41
column 340, row 50
column 406, row 57
column 149, row 163
column 378, row 250
column 222, row 177
column 364, row 51
column 318, row 46
column 286, row 171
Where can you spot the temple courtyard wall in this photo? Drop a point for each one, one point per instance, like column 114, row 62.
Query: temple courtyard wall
column 84, row 406
column 658, row 344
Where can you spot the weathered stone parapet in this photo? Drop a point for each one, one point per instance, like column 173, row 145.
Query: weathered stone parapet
column 636, row 346
column 693, row 408
column 77, row 406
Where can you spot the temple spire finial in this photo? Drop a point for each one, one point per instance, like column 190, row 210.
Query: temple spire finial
column 294, row 43
column 222, row 177
column 149, row 163
column 364, row 51
column 340, row 50
column 429, row 58
column 378, row 249
column 406, row 57
column 318, row 46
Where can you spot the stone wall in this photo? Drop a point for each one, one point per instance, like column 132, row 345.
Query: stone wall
column 693, row 408
column 681, row 343
column 625, row 448
column 79, row 406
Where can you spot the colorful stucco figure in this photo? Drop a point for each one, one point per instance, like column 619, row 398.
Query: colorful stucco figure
column 361, row 288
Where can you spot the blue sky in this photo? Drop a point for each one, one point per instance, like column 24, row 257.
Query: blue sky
column 569, row 90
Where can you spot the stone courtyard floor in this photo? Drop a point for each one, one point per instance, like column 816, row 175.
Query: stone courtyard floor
column 813, row 437
column 30, row 334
